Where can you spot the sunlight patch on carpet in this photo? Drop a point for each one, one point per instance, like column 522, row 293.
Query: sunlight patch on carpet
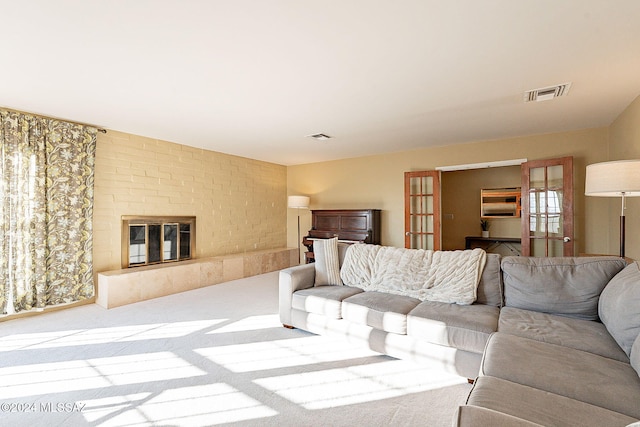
column 264, row 355
column 81, row 337
column 357, row 384
column 250, row 323
column 60, row 377
column 186, row 406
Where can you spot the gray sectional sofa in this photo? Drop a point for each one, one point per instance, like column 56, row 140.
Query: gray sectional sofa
column 548, row 341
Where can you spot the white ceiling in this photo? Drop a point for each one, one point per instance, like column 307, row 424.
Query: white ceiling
column 253, row 77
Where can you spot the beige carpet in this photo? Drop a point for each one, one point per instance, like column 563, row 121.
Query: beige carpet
column 211, row 356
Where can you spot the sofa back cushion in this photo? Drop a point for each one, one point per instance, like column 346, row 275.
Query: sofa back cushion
column 566, row 286
column 490, row 285
column 619, row 306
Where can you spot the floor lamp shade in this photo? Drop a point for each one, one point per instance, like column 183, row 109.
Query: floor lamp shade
column 614, row 179
column 301, row 202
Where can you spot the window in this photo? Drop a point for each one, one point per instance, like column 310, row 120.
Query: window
column 153, row 240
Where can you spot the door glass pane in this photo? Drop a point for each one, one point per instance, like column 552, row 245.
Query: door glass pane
column 537, row 225
column 554, row 176
column 556, row 247
column 416, row 223
column 137, row 244
column 554, row 225
column 414, row 186
column 427, row 204
column 170, row 244
column 429, row 242
column 416, row 205
column 428, row 185
column 536, row 178
column 536, row 202
column 154, row 242
column 429, row 224
column 538, row 247
column 185, row 241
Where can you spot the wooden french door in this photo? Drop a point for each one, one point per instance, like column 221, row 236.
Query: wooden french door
column 547, row 207
column 422, row 210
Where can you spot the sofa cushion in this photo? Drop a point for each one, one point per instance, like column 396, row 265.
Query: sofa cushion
column 565, row 286
column 539, row 406
column 327, row 262
column 635, row 355
column 325, row 300
column 586, row 335
column 490, row 285
column 466, row 327
column 474, row 416
column 386, row 312
column 619, row 306
column 576, row 374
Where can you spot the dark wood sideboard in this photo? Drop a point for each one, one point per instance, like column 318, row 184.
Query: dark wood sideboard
column 500, row 245
column 349, row 225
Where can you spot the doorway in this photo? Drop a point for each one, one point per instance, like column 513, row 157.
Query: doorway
column 461, row 204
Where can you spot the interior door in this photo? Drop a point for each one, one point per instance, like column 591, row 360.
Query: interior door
column 547, row 207
column 422, row 210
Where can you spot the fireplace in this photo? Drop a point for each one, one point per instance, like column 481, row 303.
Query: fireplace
column 150, row 240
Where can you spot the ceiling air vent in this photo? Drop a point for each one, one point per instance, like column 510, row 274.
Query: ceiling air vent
column 546, row 93
column 319, row 136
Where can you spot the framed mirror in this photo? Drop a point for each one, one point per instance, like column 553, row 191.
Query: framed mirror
column 500, row 203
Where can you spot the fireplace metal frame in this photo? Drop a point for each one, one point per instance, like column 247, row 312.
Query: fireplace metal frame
column 142, row 220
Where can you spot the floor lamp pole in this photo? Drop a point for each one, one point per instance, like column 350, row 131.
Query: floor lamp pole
column 299, row 248
column 622, row 231
column 298, row 202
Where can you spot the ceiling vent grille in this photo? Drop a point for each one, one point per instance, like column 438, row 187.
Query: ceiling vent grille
column 547, row 93
column 319, row 136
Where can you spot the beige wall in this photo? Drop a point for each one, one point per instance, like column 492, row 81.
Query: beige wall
column 377, row 181
column 240, row 204
column 624, row 137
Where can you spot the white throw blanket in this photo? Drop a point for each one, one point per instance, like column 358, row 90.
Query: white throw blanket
column 445, row 276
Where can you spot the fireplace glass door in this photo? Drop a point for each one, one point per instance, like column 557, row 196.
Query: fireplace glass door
column 153, row 240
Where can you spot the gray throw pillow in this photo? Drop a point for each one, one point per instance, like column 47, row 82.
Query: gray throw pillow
column 327, row 262
column 566, row 286
column 619, row 307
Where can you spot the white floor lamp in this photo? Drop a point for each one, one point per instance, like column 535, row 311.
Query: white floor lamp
column 298, row 202
column 614, row 179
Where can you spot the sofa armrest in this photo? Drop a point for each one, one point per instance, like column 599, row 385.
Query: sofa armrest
column 290, row 280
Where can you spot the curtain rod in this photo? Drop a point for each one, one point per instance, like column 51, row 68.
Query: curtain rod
column 99, row 129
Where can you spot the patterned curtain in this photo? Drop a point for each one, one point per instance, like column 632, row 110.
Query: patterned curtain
column 46, row 209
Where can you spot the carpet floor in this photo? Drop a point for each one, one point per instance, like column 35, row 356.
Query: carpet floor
column 211, row 356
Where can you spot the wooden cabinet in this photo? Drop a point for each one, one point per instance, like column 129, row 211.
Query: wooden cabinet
column 498, row 245
column 350, row 225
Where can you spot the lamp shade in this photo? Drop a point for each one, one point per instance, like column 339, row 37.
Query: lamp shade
column 613, row 179
column 301, row 202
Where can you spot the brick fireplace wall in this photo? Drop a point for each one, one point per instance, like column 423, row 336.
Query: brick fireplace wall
column 240, row 203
